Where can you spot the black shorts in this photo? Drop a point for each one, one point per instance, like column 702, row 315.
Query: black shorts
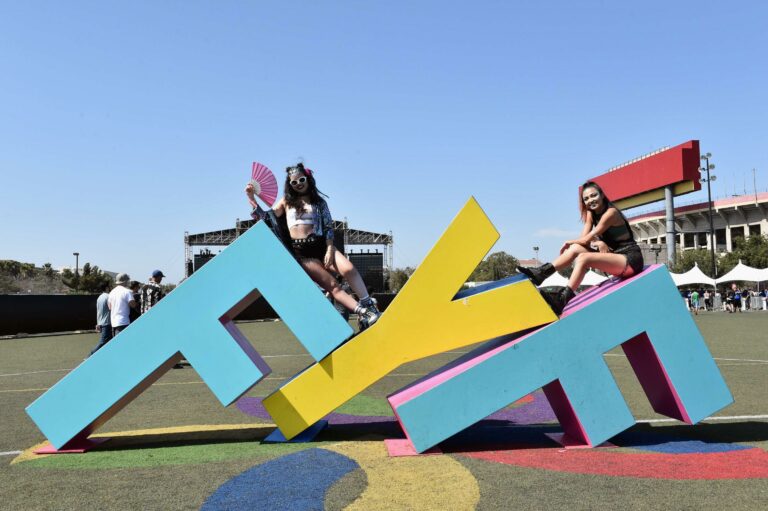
column 311, row 247
column 634, row 258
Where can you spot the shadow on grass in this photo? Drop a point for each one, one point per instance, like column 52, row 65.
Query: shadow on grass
column 373, row 431
column 483, row 436
column 720, row 433
column 186, row 438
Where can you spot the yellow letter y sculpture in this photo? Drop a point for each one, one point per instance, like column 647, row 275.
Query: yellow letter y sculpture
column 426, row 318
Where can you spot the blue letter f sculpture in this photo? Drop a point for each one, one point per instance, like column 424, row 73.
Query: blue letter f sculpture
column 195, row 322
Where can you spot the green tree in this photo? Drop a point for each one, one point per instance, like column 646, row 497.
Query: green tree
column 48, row 271
column 26, row 270
column 686, row 260
column 167, row 288
column 7, row 285
column 496, row 266
column 10, row 268
column 397, row 278
column 90, row 280
column 752, row 251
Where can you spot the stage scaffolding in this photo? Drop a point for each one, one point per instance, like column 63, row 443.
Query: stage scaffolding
column 226, row 236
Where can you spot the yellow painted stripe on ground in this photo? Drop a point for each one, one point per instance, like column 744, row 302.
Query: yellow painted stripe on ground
column 398, row 483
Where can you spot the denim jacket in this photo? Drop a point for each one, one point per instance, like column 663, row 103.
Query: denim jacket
column 323, row 222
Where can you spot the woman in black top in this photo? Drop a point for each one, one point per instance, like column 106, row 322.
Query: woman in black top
column 606, row 244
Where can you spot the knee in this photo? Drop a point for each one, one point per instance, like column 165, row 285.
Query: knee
column 582, row 258
column 345, row 267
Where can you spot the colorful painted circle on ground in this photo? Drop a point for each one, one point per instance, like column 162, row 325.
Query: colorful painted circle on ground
column 299, row 476
column 645, row 452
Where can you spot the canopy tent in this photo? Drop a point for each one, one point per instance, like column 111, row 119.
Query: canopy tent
column 590, row 279
column 593, row 278
column 692, row 276
column 555, row 280
column 745, row 273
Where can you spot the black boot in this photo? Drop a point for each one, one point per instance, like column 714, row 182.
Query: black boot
column 558, row 300
column 537, row 275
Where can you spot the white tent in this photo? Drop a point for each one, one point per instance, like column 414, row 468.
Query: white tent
column 555, row 280
column 692, row 276
column 743, row 272
column 592, row 278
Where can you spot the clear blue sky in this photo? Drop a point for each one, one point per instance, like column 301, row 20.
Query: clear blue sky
column 124, row 124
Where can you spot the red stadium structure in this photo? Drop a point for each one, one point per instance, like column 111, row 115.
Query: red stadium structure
column 644, row 179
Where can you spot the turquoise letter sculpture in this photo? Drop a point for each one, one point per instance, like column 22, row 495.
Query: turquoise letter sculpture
column 194, row 321
column 643, row 314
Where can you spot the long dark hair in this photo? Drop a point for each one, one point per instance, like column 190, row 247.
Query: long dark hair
column 293, row 199
column 608, row 204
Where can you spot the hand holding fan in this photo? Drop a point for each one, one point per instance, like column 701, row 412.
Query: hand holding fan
column 264, row 183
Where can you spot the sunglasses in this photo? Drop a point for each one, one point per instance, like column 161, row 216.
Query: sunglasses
column 299, row 181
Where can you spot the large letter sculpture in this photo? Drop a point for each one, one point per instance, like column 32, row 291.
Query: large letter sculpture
column 426, row 318
column 194, row 320
column 642, row 314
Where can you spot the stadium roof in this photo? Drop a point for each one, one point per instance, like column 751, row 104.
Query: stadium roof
column 227, row 236
column 730, row 202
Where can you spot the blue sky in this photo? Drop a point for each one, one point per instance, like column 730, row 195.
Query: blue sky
column 125, row 124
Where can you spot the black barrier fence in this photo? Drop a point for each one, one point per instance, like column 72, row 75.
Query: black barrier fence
column 34, row 314
column 38, row 314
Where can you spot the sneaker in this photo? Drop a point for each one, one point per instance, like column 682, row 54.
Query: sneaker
column 368, row 316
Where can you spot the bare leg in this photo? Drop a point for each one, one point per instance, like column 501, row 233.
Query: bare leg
column 614, row 264
column 566, row 258
column 351, row 275
column 324, row 279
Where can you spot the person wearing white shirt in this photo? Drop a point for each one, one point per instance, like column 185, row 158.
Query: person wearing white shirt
column 120, row 304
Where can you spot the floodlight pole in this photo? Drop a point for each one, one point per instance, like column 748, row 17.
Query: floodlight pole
column 77, row 262
column 706, row 168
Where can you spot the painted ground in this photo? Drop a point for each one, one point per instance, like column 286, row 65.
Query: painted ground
column 175, row 447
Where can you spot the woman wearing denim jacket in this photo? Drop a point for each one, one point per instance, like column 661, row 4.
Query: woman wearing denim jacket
column 311, row 230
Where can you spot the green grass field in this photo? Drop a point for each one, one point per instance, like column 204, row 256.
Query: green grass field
column 148, row 466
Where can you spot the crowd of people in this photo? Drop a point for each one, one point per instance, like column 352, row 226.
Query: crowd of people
column 120, row 305
column 731, row 300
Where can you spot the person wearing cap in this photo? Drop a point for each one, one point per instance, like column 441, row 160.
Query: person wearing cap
column 151, row 293
column 120, row 303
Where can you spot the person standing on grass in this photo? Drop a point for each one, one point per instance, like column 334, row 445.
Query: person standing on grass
column 736, row 297
column 120, row 303
column 695, row 302
column 135, row 312
column 103, row 324
column 152, row 293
